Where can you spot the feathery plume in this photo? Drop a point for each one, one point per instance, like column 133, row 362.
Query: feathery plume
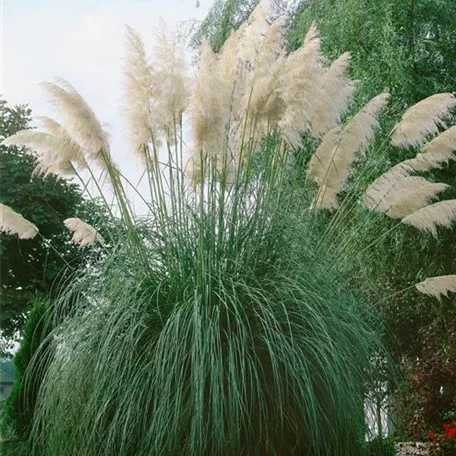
column 13, row 223
column 193, row 168
column 57, row 155
column 209, row 109
column 171, row 84
column 430, row 217
column 263, row 103
column 422, row 120
column 412, row 199
column 321, row 159
column 337, row 94
column 440, row 150
column 253, row 33
column 299, row 85
column 381, row 186
column 438, row 286
column 326, row 198
column 230, row 71
column 332, row 165
column 83, row 233
column 399, row 189
column 138, row 82
column 73, row 152
column 80, row 120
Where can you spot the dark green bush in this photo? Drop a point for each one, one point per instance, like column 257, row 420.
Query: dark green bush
column 17, row 411
column 379, row 447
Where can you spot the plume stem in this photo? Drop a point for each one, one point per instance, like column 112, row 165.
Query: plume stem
column 48, row 243
column 383, row 235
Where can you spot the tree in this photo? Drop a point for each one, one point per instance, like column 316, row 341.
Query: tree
column 34, row 267
column 228, row 15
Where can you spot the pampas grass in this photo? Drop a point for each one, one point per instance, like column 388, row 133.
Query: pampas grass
column 438, row 286
column 58, row 153
column 410, row 199
column 81, row 121
column 440, row 150
column 83, row 233
column 331, row 164
column 12, row 223
column 422, row 120
column 223, row 323
column 430, row 217
column 298, row 83
column 139, row 89
column 337, row 94
column 233, row 339
column 433, row 155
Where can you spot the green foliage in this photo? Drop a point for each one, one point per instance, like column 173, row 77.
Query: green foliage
column 229, row 332
column 380, row 447
column 14, row 448
column 223, row 17
column 17, row 410
column 406, row 47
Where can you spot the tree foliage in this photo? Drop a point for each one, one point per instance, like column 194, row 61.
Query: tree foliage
column 406, row 47
column 17, row 410
column 223, row 17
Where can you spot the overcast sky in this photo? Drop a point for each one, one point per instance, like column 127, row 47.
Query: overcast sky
column 81, row 41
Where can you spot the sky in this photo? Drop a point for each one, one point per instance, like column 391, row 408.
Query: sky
column 81, row 41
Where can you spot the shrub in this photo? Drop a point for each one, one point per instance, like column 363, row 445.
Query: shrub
column 17, row 410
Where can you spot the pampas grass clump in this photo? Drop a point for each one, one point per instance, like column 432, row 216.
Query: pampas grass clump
column 233, row 338
column 223, row 322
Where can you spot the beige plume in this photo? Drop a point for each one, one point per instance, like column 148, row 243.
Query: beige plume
column 263, row 103
column 299, row 88
column 138, row 83
column 210, row 108
column 326, row 198
column 58, row 155
column 171, row 95
column 83, row 233
column 254, row 32
column 231, row 73
column 13, row 223
column 430, row 217
column 440, row 150
column 412, row 199
column 435, row 153
column 422, row 120
column 399, row 189
column 438, row 286
column 193, row 168
column 79, row 119
column 321, row 159
column 331, row 165
column 74, row 151
column 381, row 186
column 337, row 94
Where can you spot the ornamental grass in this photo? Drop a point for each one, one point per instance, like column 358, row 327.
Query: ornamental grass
column 225, row 321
